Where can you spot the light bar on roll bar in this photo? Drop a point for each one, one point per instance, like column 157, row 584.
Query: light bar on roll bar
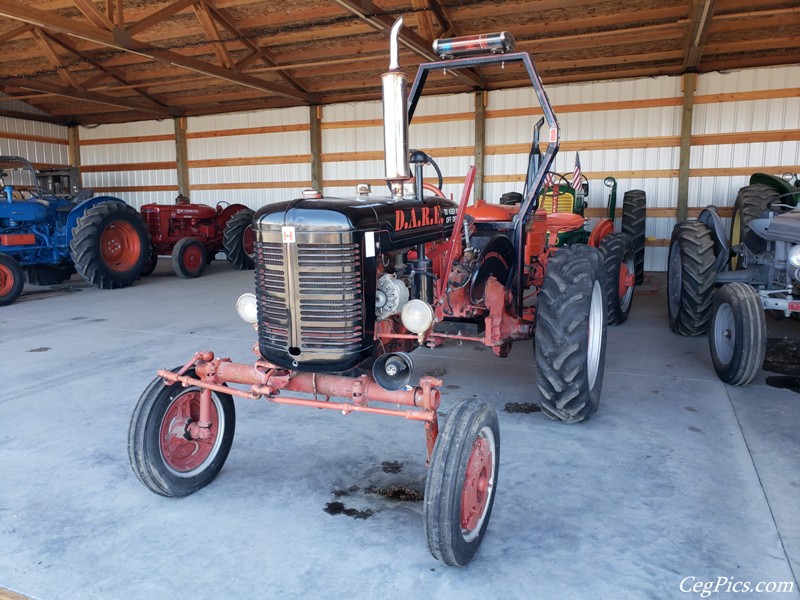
column 496, row 43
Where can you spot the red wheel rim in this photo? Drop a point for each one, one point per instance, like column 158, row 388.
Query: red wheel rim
column 624, row 280
column 478, row 485
column 6, row 280
column 248, row 240
column 183, row 455
column 120, row 246
column 193, row 257
column 601, row 230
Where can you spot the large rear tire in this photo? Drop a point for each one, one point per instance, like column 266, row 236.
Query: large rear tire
column 738, row 334
column 570, row 341
column 634, row 215
column 690, row 278
column 12, row 280
column 461, row 482
column 110, row 244
column 752, row 202
column 162, row 453
column 238, row 240
column 619, row 264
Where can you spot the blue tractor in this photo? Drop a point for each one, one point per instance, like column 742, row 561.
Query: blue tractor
column 47, row 233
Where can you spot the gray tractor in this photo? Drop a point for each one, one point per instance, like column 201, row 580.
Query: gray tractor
column 722, row 284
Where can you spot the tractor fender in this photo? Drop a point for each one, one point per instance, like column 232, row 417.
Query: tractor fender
column 710, row 218
column 77, row 212
column 227, row 213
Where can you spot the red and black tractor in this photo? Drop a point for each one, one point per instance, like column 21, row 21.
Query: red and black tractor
column 193, row 234
column 350, row 286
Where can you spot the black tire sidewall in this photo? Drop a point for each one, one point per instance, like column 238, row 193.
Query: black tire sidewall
column 146, row 426
column 445, row 482
column 747, row 356
column 178, row 254
column 233, row 240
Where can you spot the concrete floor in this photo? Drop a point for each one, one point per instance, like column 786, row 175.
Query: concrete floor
column 676, row 476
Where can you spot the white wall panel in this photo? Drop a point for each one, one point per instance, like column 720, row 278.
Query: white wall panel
column 114, row 130
column 43, row 152
column 264, row 118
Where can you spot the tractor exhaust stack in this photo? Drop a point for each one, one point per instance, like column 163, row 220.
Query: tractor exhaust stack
column 395, row 118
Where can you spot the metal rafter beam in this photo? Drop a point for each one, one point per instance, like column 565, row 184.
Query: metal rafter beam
column 701, row 17
column 257, row 52
column 122, row 40
column 41, row 86
column 45, row 44
column 212, row 32
column 408, row 38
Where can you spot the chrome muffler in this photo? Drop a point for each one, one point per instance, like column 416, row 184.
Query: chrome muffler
column 395, row 118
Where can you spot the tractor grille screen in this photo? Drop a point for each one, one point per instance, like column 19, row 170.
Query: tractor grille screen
column 310, row 301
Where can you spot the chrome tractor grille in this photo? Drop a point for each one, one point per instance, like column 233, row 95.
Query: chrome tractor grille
column 310, row 300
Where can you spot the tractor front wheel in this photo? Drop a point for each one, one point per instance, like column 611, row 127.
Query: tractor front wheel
column 690, row 278
column 570, row 341
column 109, row 245
column 634, row 214
column 163, row 454
column 12, row 280
column 461, row 482
column 189, row 258
column 619, row 264
column 238, row 240
column 738, row 334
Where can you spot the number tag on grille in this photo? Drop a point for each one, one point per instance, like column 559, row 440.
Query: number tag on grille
column 288, row 234
column 369, row 244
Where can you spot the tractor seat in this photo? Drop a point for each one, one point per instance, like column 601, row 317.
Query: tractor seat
column 561, row 222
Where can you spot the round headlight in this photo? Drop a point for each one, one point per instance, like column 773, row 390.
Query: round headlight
column 417, row 316
column 794, row 256
column 247, row 307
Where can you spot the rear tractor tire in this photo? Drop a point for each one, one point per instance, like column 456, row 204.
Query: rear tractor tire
column 570, row 341
column 189, row 258
column 752, row 202
column 12, row 280
column 238, row 240
column 109, row 245
column 619, row 264
column 738, row 334
column 461, row 482
column 690, row 278
column 163, row 455
column 634, row 214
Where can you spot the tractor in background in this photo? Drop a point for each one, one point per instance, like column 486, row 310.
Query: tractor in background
column 562, row 205
column 48, row 233
column 721, row 283
column 193, row 234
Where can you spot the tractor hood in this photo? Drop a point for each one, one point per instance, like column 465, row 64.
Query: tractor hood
column 784, row 227
column 397, row 224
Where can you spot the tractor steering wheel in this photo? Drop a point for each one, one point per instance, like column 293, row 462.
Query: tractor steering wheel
column 428, row 159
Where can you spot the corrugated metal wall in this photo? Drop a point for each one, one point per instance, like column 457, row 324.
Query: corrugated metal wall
column 43, row 144
column 132, row 161
column 743, row 121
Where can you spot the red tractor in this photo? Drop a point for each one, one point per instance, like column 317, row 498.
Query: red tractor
column 348, row 284
column 193, row 234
